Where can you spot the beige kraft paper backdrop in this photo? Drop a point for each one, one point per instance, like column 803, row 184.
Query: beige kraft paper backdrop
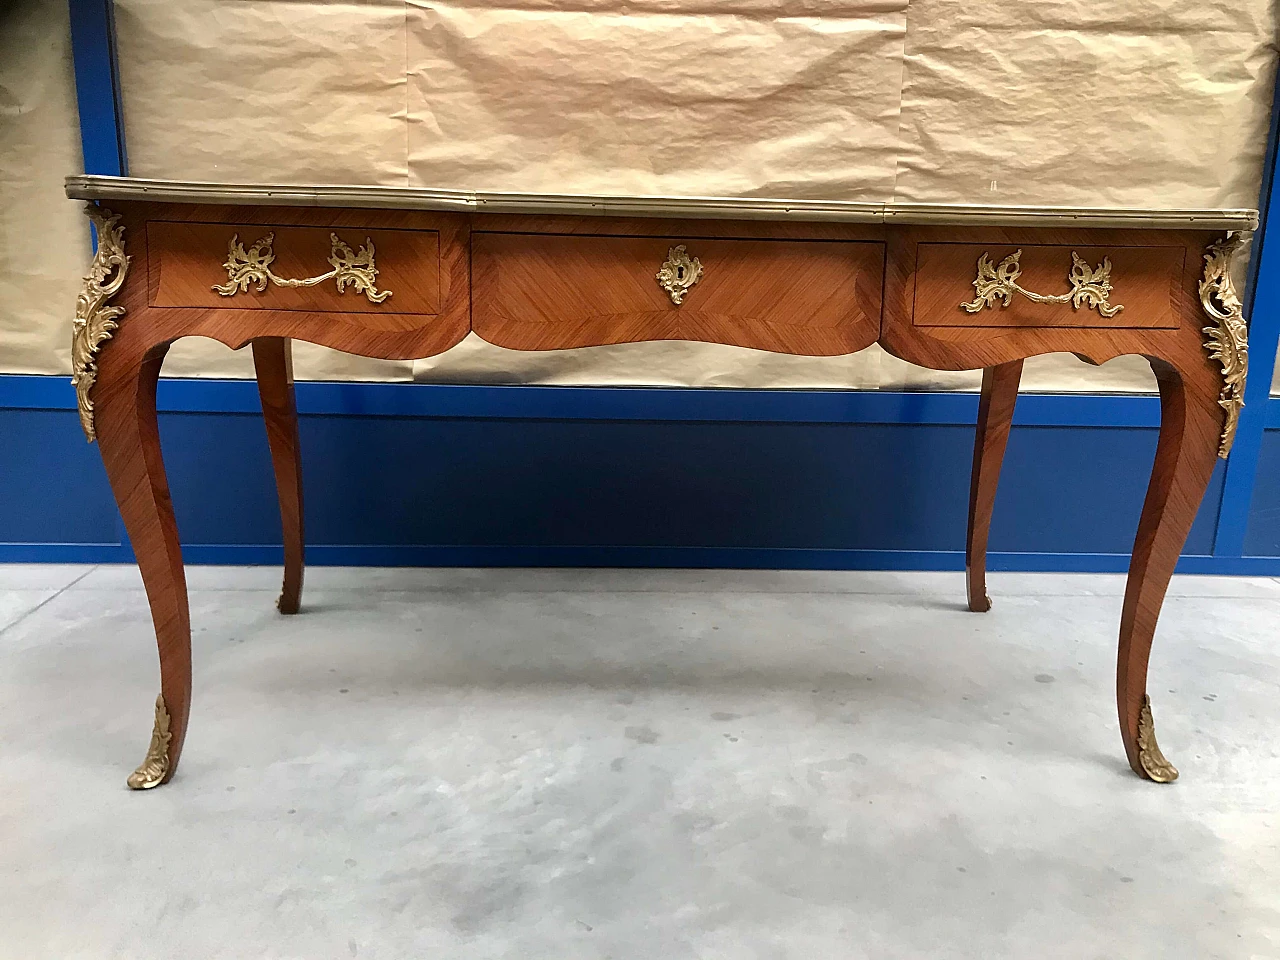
column 1141, row 103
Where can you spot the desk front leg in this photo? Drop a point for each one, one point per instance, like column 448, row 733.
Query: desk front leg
column 1190, row 424
column 129, row 439
column 158, row 275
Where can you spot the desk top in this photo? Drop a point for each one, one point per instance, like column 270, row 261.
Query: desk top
column 716, row 208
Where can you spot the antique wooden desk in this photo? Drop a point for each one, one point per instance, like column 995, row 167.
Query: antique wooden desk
column 402, row 273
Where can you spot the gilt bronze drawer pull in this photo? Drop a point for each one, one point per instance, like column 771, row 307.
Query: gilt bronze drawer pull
column 1090, row 286
column 253, row 266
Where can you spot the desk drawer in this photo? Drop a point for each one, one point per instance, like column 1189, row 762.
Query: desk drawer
column 547, row 292
column 965, row 285
column 279, row 267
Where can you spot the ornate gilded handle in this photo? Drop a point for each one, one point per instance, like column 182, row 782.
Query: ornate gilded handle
column 1090, row 286
column 678, row 273
column 253, row 267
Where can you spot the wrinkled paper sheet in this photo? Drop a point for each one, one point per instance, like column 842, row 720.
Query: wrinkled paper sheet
column 44, row 238
column 1138, row 103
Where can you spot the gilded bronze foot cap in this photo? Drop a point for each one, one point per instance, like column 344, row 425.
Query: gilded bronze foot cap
column 155, row 768
column 1154, row 765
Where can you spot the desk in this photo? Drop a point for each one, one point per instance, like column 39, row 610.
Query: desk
column 404, row 274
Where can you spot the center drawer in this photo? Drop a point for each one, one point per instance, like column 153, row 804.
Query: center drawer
column 549, row 292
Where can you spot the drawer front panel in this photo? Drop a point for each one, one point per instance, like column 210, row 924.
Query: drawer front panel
column 1144, row 283
column 190, row 259
column 817, row 298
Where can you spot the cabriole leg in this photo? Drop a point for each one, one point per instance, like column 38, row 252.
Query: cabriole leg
column 995, row 417
column 1185, row 457
column 273, row 362
column 129, row 439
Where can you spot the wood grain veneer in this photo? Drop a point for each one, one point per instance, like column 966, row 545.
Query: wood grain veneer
column 540, row 292
column 239, row 319
column 1145, row 281
column 187, row 260
column 978, row 345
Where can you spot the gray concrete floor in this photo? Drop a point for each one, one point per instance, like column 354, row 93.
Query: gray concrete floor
column 525, row 764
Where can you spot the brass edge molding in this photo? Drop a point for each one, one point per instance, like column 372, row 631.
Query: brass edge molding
column 92, row 187
column 1228, row 337
column 678, row 273
column 155, row 766
column 1131, row 218
column 252, row 267
column 1090, row 286
column 1149, row 756
column 95, row 320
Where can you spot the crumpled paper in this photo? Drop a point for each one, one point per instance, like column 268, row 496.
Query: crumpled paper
column 1139, row 103
column 44, row 237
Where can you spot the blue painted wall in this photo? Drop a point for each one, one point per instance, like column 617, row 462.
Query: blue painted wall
column 630, row 485
column 1263, row 531
column 584, row 477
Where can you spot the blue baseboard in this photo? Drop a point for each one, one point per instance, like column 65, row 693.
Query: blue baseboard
column 657, row 404
column 684, row 558
column 403, row 474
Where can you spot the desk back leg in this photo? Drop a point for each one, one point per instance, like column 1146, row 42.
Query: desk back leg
column 129, row 440
column 273, row 363
column 995, row 417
